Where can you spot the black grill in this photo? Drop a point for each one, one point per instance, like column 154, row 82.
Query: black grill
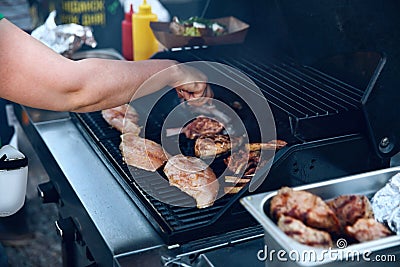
column 307, row 105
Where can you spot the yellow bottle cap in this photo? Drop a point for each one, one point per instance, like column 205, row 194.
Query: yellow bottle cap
column 144, row 8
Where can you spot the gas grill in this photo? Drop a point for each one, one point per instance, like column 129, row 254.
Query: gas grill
column 335, row 106
column 319, row 116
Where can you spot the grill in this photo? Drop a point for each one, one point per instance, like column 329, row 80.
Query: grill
column 314, row 113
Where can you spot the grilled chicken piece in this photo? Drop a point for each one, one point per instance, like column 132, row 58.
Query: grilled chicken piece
column 212, row 145
column 304, row 234
column 202, row 126
column 350, row 208
column 193, row 176
column 304, row 206
column 366, row 229
column 121, row 115
column 142, row 153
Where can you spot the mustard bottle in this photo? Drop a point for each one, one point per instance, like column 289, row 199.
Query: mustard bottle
column 144, row 42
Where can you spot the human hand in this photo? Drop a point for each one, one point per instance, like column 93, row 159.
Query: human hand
column 191, row 85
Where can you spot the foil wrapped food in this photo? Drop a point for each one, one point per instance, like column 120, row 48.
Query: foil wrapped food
column 64, row 39
column 386, row 204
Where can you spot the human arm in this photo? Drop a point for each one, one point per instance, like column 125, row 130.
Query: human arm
column 34, row 75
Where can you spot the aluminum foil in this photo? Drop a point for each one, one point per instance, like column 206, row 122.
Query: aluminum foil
column 64, row 39
column 386, row 204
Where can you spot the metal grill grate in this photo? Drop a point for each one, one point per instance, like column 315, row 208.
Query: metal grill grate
column 174, row 218
column 302, row 93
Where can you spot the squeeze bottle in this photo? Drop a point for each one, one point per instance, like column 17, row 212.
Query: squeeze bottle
column 144, row 42
column 127, row 41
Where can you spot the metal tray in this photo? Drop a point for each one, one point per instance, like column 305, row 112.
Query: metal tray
column 297, row 254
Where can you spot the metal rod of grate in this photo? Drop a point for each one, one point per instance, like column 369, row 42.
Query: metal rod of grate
column 299, row 91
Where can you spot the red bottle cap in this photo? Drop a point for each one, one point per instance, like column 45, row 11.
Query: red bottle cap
column 128, row 16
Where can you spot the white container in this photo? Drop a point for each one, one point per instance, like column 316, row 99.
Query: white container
column 13, row 180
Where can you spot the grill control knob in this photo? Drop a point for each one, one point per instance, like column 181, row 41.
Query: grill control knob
column 48, row 193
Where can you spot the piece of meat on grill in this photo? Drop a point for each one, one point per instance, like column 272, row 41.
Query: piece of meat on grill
column 216, row 144
column 271, row 145
column 350, row 208
column 124, row 118
column 304, row 206
column 202, row 126
column 303, row 234
column 247, row 160
column 367, row 229
column 142, row 153
column 193, row 176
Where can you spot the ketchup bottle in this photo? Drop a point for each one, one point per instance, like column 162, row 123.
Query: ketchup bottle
column 127, row 41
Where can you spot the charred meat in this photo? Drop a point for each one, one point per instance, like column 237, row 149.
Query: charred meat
column 193, row 176
column 303, row 234
column 350, row 208
column 213, row 145
column 123, row 118
column 367, row 229
column 247, row 160
column 306, row 207
column 142, row 153
column 202, row 126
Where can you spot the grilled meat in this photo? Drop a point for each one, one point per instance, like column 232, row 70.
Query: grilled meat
column 304, row 206
column 194, row 177
column 272, row 145
column 202, row 126
column 366, row 229
column 249, row 159
column 350, row 208
column 244, row 161
column 304, row 234
column 212, row 145
column 121, row 115
column 142, row 153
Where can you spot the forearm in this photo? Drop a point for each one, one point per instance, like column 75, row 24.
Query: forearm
column 103, row 83
column 33, row 75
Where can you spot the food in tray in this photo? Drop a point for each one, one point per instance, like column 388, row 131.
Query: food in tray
column 124, row 114
column 304, row 206
column 196, row 27
column 350, row 208
column 386, row 204
column 346, row 216
column 194, row 177
column 367, row 229
column 142, row 153
column 211, row 145
column 297, row 230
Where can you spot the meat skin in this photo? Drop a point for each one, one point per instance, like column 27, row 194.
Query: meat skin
column 193, row 176
column 124, row 118
column 142, row 153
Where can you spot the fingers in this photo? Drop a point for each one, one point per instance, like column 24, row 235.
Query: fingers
column 200, row 96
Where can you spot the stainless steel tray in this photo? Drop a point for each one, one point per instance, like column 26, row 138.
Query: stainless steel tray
column 297, row 254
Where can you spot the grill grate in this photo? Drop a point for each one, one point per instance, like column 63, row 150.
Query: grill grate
column 174, row 218
column 302, row 93
column 306, row 104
